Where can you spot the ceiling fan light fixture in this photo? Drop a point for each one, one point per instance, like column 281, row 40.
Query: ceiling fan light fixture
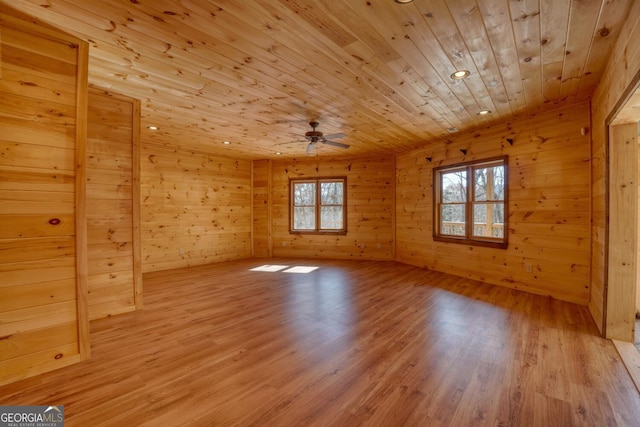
column 460, row 74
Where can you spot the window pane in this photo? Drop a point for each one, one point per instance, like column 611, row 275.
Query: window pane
column 498, row 183
column 304, row 218
column 489, row 183
column 452, row 220
column 488, row 220
column 331, row 193
column 454, row 186
column 304, row 194
column 480, row 184
column 331, row 218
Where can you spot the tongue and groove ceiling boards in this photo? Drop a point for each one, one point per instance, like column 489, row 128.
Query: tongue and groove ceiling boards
column 255, row 72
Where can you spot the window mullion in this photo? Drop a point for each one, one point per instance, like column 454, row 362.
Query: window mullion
column 439, row 201
column 469, row 204
column 318, row 225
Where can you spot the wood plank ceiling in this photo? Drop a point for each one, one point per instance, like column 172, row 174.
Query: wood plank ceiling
column 255, row 72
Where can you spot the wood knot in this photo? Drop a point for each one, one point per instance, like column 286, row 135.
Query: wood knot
column 54, row 221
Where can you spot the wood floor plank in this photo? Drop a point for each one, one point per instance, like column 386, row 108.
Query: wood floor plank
column 351, row 343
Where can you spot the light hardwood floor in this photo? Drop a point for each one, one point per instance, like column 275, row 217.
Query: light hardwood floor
column 351, row 343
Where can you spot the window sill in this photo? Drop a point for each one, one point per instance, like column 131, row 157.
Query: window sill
column 472, row 242
column 322, row 232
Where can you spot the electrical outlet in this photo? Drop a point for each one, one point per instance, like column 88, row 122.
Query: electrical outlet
column 284, row 243
column 528, row 267
column 181, row 251
column 378, row 246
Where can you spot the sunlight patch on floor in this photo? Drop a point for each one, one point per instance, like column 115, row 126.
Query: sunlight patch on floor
column 275, row 268
column 300, row 269
column 270, row 268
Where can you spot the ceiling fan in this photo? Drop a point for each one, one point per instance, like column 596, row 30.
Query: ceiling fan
column 314, row 136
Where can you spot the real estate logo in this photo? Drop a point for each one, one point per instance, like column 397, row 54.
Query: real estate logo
column 31, row 416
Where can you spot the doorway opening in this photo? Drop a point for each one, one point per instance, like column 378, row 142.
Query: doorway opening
column 623, row 234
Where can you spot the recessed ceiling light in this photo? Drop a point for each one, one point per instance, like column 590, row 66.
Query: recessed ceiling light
column 460, row 74
column 484, row 112
column 404, row 1
column 226, row 142
column 152, row 127
column 278, row 153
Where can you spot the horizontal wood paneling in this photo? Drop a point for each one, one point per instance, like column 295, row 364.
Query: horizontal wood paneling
column 370, row 209
column 549, row 211
column 261, row 208
column 35, row 225
column 42, row 84
column 196, row 204
column 112, row 176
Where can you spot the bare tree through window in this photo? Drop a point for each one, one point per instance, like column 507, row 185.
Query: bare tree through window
column 470, row 201
column 318, row 205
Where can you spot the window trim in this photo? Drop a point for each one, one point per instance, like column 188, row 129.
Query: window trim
column 469, row 239
column 318, row 205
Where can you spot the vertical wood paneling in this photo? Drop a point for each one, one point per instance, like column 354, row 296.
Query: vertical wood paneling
column 115, row 281
column 43, row 269
column 135, row 207
column 370, row 209
column 196, row 208
column 261, row 222
column 82, row 262
column 623, row 202
column 549, row 217
column 620, row 73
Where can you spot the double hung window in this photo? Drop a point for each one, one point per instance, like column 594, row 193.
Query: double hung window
column 318, row 205
column 470, row 203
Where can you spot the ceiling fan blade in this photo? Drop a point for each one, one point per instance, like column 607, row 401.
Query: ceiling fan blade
column 336, row 144
column 335, row 136
column 310, row 148
column 291, row 142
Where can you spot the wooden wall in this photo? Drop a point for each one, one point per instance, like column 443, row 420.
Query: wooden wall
column 43, row 84
column 623, row 231
column 370, row 209
column 261, row 207
column 549, row 206
column 195, row 208
column 620, row 75
column 113, row 204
